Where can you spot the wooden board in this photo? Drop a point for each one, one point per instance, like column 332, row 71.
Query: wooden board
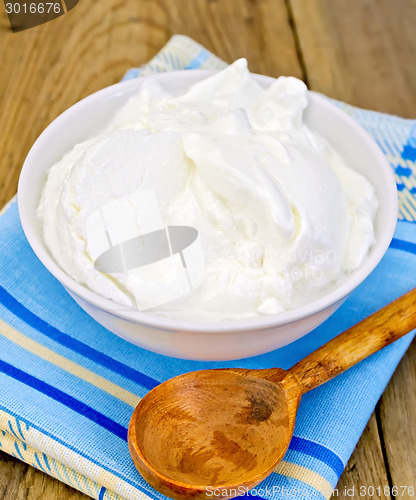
column 360, row 51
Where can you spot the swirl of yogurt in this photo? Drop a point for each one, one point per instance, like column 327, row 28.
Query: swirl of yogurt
column 281, row 216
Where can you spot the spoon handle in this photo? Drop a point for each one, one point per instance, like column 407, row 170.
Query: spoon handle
column 363, row 339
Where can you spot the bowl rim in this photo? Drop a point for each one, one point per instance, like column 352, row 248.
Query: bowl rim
column 155, row 321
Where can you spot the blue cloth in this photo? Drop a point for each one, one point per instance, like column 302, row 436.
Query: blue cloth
column 68, row 386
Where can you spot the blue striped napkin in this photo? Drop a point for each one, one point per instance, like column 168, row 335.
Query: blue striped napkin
column 68, row 386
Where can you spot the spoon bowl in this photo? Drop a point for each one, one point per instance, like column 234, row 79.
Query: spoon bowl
column 220, row 432
column 251, row 421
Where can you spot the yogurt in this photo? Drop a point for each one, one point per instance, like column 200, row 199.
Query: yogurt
column 281, row 218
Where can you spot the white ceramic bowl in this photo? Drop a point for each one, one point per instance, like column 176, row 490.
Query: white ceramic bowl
column 196, row 339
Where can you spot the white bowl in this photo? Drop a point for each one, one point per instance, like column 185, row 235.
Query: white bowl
column 192, row 339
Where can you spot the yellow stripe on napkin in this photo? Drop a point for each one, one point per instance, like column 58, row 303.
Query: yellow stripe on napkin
column 306, row 476
column 69, row 366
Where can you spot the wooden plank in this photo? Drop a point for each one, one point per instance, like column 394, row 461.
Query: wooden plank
column 365, row 468
column 398, row 422
column 256, row 29
column 360, row 51
column 19, row 481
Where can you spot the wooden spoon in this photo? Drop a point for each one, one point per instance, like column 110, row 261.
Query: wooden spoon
column 227, row 429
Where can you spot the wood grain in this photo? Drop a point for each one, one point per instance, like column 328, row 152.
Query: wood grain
column 365, row 468
column 361, row 51
column 19, row 481
column 397, row 415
